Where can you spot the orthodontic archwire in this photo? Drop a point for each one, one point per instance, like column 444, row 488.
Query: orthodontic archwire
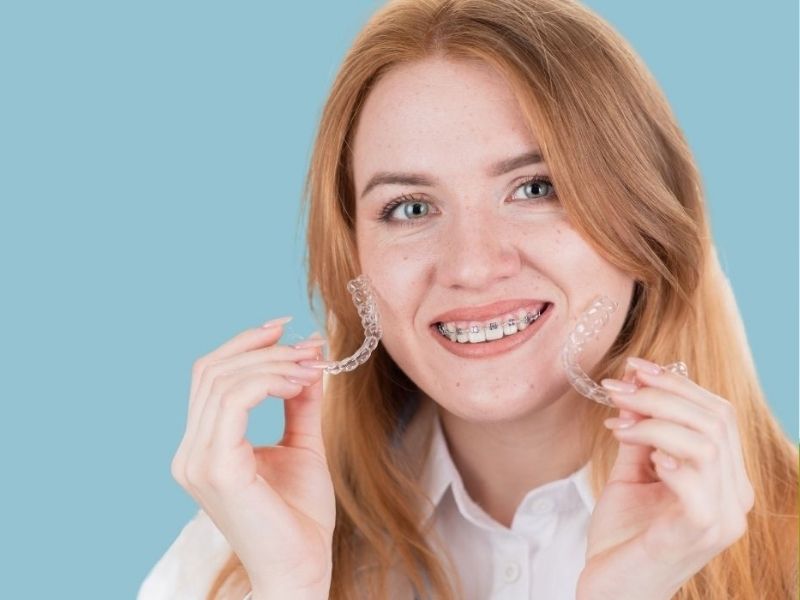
column 527, row 319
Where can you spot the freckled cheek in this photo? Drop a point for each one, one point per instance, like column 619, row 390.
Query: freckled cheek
column 555, row 256
column 577, row 260
column 399, row 275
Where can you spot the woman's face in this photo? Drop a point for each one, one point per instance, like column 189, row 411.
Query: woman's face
column 468, row 234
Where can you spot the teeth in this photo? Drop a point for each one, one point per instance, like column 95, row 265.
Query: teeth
column 474, row 332
column 494, row 330
column 522, row 321
column 510, row 325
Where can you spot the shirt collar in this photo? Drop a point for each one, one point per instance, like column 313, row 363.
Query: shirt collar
column 439, row 472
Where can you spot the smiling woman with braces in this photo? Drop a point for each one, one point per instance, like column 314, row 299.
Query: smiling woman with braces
column 477, row 469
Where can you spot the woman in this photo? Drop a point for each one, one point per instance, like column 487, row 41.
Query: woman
column 475, row 159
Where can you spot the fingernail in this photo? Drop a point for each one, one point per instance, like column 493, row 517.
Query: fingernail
column 317, row 364
column 278, row 321
column 309, row 344
column 300, row 381
column 666, row 461
column 645, row 365
column 617, row 423
column 615, row 385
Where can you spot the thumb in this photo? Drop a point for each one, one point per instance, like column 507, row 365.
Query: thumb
column 303, row 416
column 633, row 463
column 629, row 376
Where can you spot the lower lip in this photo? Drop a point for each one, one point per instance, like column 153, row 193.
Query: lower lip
column 486, row 349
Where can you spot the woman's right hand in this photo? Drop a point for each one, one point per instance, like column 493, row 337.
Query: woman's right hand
column 274, row 504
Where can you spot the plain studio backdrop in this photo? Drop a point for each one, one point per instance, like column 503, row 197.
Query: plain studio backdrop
column 152, row 157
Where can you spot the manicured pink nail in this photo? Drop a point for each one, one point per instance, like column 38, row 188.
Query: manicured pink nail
column 278, row 321
column 309, row 344
column 317, row 364
column 645, row 365
column 615, row 385
column 666, row 461
column 617, row 423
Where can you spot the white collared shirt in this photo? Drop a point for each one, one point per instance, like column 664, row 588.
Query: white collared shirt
column 540, row 556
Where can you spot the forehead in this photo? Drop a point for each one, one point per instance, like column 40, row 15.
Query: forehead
column 437, row 114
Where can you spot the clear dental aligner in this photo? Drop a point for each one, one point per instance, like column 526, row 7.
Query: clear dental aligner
column 364, row 299
column 589, row 325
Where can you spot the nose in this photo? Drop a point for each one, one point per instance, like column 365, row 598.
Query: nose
column 477, row 251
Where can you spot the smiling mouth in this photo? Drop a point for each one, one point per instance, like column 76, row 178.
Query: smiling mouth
column 476, row 340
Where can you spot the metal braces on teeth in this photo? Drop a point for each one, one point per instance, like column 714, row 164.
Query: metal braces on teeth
column 363, row 295
column 589, row 325
column 527, row 319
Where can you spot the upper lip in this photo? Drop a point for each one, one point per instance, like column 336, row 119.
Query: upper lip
column 486, row 311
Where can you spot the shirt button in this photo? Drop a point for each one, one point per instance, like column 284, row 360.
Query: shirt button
column 542, row 506
column 511, row 572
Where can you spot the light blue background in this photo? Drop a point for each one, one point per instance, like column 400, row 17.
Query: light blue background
column 152, row 157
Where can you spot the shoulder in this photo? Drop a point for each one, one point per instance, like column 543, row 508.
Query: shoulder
column 190, row 564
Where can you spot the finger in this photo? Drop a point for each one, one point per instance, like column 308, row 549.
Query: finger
column 684, row 527
column 655, row 402
column 252, row 358
column 229, row 425
column 632, row 463
column 303, row 418
column 199, row 451
column 682, row 386
column 676, row 440
column 629, row 376
column 302, row 412
column 666, row 460
column 724, row 411
column 241, row 394
column 249, row 339
column 273, row 353
column 693, row 451
column 652, row 402
column 660, row 404
column 224, row 388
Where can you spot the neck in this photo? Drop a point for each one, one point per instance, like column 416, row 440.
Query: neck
column 500, row 462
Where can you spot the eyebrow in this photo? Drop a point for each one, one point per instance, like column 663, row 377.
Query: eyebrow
column 500, row 168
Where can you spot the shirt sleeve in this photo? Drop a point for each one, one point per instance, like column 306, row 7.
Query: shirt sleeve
column 189, row 566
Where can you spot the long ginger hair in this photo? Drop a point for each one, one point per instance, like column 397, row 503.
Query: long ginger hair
column 629, row 184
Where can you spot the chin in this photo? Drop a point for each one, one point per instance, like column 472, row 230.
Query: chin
column 492, row 403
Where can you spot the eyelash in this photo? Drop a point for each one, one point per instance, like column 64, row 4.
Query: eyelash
column 390, row 206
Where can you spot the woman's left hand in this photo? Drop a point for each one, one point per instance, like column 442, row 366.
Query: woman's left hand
column 653, row 528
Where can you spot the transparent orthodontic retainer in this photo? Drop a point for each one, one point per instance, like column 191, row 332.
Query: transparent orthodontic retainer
column 361, row 290
column 589, row 325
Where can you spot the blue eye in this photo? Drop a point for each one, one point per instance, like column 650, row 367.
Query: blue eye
column 414, row 208
column 539, row 182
